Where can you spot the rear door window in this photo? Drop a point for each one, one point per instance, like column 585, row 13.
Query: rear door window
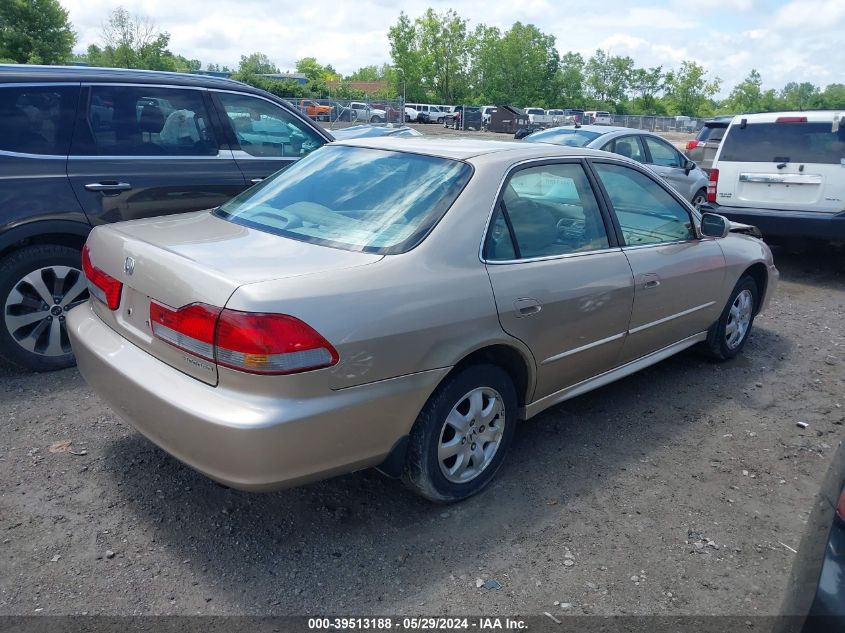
column 37, row 119
column 784, row 143
column 146, row 121
column 628, row 146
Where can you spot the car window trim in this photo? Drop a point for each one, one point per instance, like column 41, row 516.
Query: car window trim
column 609, row 226
column 667, row 144
column 656, row 179
column 42, row 84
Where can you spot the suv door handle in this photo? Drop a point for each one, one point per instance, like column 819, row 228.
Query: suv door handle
column 255, row 181
column 109, row 187
column 527, row 307
column 650, row 280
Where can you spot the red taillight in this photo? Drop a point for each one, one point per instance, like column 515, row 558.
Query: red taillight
column 104, row 287
column 712, row 185
column 791, row 119
column 252, row 342
column 693, row 144
column 190, row 328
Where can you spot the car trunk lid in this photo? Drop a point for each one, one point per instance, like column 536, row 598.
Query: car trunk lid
column 196, row 258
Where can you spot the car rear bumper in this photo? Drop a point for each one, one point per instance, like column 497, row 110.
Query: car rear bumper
column 778, row 223
column 245, row 440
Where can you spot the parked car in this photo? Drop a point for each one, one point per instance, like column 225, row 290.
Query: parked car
column 598, row 117
column 372, row 130
column 364, row 112
column 644, row 147
column 340, row 112
column 84, row 146
column 392, row 114
column 359, row 309
column 702, row 149
column 486, row 114
column 464, row 118
column 315, row 110
column 783, row 172
column 814, row 600
column 574, row 115
column 411, row 115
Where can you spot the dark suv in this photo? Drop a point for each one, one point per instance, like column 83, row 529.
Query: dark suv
column 87, row 146
column 702, row 149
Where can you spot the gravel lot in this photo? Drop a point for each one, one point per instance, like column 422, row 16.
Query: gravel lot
column 674, row 491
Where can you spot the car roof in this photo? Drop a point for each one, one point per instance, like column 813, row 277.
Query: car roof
column 21, row 73
column 600, row 129
column 813, row 116
column 465, row 148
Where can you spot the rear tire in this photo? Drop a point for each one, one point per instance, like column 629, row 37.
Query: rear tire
column 699, row 198
column 462, row 434
column 38, row 285
column 727, row 336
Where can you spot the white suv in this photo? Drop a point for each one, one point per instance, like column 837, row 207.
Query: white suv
column 783, row 172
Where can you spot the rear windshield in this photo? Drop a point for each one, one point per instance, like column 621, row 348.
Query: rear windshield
column 784, row 143
column 354, row 198
column 711, row 132
column 572, row 136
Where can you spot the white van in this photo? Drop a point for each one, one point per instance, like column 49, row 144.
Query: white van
column 431, row 113
column 783, row 172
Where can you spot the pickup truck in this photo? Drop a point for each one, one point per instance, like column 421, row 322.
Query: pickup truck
column 363, row 112
column 315, row 110
column 538, row 116
column 464, row 118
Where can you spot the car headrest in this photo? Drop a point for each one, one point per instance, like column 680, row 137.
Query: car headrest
column 534, row 225
column 151, row 119
column 624, row 148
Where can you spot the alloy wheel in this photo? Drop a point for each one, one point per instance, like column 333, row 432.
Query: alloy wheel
column 471, row 435
column 739, row 318
column 36, row 307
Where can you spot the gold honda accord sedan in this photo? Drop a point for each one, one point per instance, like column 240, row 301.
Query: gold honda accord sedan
column 404, row 303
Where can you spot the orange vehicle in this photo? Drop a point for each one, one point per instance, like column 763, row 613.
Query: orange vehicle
column 313, row 109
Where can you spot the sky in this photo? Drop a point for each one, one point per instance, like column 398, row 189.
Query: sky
column 785, row 40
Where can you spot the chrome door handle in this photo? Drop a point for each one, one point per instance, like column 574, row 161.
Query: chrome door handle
column 651, row 283
column 255, row 181
column 113, row 187
column 650, row 280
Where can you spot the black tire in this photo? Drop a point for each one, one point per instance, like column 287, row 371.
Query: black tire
column 699, row 198
column 422, row 472
column 716, row 346
column 13, row 269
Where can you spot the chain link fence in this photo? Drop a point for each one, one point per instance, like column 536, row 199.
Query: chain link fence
column 343, row 112
column 658, row 123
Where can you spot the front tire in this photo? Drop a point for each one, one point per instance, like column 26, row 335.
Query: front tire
column 38, row 285
column 727, row 337
column 699, row 198
column 462, row 434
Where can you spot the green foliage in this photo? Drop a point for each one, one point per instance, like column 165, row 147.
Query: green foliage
column 689, row 91
column 570, row 81
column 35, row 32
column 608, row 78
column 747, row 96
column 309, row 67
column 257, row 64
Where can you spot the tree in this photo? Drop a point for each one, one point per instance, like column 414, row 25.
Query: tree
column 799, row 96
column 646, row 84
column 257, row 64
column 689, row 91
column 133, row 41
column 570, row 81
column 747, row 95
column 520, row 67
column 309, row 67
column 833, row 97
column 433, row 53
column 35, row 32
column 608, row 77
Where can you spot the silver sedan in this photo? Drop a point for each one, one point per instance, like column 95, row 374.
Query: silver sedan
column 644, row 147
column 403, row 303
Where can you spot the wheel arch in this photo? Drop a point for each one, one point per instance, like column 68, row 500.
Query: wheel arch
column 58, row 232
column 512, row 360
column 760, row 276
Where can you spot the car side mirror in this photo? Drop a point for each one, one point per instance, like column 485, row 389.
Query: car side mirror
column 714, row 225
column 688, row 167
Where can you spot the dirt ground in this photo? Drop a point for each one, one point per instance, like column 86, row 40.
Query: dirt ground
column 675, row 491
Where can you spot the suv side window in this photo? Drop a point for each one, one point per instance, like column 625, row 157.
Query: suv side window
column 145, row 121
column 546, row 211
column 647, row 213
column 662, row 153
column 37, row 119
column 266, row 129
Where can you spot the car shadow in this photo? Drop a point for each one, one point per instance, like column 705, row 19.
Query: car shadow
column 822, row 266
column 362, row 538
